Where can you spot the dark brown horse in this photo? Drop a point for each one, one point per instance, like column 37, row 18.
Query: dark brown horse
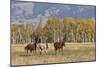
column 59, row 46
column 31, row 47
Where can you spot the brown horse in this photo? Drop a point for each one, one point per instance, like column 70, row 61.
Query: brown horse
column 31, row 47
column 58, row 46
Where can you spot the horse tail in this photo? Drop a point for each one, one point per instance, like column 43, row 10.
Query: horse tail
column 25, row 48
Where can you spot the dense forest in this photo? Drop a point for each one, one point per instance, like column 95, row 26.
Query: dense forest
column 74, row 30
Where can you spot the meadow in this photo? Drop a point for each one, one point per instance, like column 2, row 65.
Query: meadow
column 73, row 52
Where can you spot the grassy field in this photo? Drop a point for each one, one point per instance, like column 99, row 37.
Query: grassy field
column 73, row 52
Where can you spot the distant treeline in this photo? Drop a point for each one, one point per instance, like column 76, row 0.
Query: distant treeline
column 74, row 30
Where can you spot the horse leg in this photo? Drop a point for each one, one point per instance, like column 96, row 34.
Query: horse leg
column 40, row 52
column 27, row 51
column 45, row 51
column 55, row 51
column 62, row 50
column 59, row 50
column 30, row 51
column 33, row 52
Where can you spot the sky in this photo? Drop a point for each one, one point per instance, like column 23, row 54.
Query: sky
column 22, row 11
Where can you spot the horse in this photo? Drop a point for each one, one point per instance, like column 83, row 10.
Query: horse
column 58, row 46
column 42, row 47
column 31, row 47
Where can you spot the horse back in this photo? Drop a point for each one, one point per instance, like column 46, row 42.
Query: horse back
column 30, row 47
column 58, row 45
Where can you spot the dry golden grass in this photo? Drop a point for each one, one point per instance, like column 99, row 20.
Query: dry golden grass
column 73, row 52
